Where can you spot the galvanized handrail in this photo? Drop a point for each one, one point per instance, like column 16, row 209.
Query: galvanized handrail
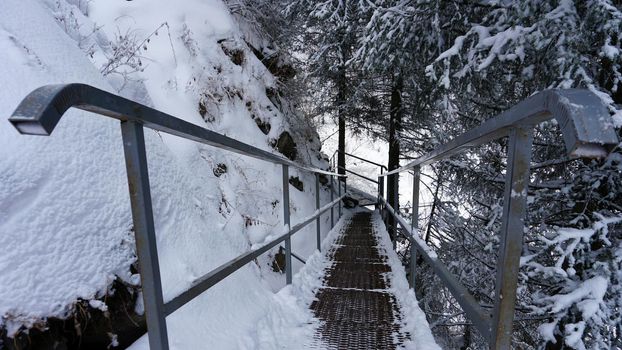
column 42, row 109
column 382, row 167
column 359, row 175
column 587, row 130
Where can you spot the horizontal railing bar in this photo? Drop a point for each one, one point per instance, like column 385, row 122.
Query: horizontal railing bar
column 365, row 160
column 218, row 274
column 582, row 128
column 42, row 109
column 359, row 175
column 295, row 256
column 480, row 318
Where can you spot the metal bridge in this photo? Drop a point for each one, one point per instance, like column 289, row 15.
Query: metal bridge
column 584, row 122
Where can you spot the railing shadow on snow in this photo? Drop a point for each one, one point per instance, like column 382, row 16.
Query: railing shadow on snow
column 41, row 111
column 587, row 129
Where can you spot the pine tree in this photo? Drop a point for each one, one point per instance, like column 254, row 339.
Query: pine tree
column 569, row 285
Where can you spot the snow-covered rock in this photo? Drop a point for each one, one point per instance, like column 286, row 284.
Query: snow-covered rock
column 65, row 224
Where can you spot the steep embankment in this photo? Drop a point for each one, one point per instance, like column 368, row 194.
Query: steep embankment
column 65, row 226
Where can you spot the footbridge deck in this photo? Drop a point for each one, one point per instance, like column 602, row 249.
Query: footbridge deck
column 355, row 305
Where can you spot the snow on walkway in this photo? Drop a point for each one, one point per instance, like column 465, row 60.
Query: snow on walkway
column 407, row 326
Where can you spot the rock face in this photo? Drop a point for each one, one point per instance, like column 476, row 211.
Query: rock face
column 278, row 264
column 350, row 202
column 286, row 145
column 220, row 169
column 95, row 325
column 279, row 67
column 323, row 179
column 235, row 53
column 297, row 183
column 263, row 126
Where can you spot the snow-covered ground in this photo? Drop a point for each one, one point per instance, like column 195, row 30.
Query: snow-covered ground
column 414, row 320
column 280, row 331
column 65, row 226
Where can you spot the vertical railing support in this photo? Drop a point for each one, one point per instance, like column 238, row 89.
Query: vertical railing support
column 345, row 186
column 511, row 243
column 396, row 207
column 381, row 195
column 286, row 221
column 317, row 207
column 414, row 226
column 144, row 230
column 332, row 198
column 339, row 196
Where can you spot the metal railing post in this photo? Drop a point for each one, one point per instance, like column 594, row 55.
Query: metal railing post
column 587, row 133
column 345, row 186
column 144, row 229
column 286, row 221
column 396, row 201
column 381, row 196
column 332, row 198
column 396, row 206
column 511, row 240
column 380, row 187
column 317, row 206
column 414, row 226
column 339, row 196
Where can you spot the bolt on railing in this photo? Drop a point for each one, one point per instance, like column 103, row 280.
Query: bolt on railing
column 42, row 109
column 587, row 130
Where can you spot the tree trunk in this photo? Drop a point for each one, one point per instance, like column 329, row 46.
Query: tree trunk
column 466, row 341
column 395, row 125
column 341, row 101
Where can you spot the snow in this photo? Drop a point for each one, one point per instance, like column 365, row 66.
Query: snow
column 588, row 296
column 617, row 118
column 65, row 224
column 65, row 230
column 574, row 334
column 454, row 50
column 547, row 331
column 98, row 304
column 565, row 8
column 589, row 292
column 294, row 330
column 610, row 51
column 414, row 320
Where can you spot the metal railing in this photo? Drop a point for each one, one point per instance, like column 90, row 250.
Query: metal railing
column 334, row 165
column 42, row 109
column 587, row 130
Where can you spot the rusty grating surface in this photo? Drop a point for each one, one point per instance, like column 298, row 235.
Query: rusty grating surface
column 354, row 307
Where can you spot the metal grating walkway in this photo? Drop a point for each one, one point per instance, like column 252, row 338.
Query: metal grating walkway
column 354, row 306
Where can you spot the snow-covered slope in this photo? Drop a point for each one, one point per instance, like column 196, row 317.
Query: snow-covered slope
column 65, row 227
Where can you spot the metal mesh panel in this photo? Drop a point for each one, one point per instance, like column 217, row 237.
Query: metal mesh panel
column 356, row 310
